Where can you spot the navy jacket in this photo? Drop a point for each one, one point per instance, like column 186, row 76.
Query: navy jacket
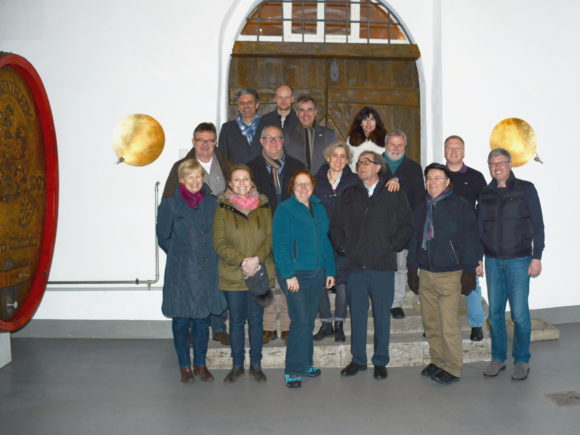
column 234, row 144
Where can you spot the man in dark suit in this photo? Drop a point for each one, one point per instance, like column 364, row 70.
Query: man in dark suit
column 283, row 116
column 307, row 140
column 272, row 170
column 240, row 138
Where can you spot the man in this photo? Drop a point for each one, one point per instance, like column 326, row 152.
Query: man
column 410, row 177
column 217, row 169
column 369, row 226
column 467, row 183
column 283, row 116
column 307, row 140
column 273, row 170
column 240, row 139
column 512, row 234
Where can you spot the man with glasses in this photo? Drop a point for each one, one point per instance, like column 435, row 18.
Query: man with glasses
column 307, row 140
column 283, row 116
column 512, row 234
column 272, row 170
column 369, row 226
column 217, row 168
column 240, row 138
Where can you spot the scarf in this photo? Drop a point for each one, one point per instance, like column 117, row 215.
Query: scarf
column 274, row 165
column 307, row 136
column 244, row 204
column 248, row 130
column 428, row 229
column 191, row 199
column 393, row 164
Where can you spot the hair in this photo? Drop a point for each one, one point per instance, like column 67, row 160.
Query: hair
column 271, row 126
column 438, row 166
column 187, row 167
column 454, row 136
column 248, row 91
column 499, row 152
column 334, row 145
column 296, row 174
column 377, row 160
column 305, row 99
column 205, row 126
column 394, row 133
column 241, row 167
column 356, row 135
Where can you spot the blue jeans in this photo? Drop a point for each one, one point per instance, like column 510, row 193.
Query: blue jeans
column 243, row 307
column 325, row 313
column 508, row 280
column 218, row 322
column 302, row 309
column 200, row 333
column 475, row 314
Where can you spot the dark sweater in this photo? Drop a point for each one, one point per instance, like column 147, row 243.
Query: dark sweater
column 410, row 177
column 468, row 183
column 273, row 118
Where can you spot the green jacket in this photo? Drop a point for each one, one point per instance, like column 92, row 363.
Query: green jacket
column 237, row 236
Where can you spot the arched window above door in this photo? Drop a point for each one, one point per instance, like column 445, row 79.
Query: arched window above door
column 339, row 21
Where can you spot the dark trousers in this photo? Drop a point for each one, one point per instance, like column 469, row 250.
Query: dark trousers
column 378, row 285
column 302, row 309
column 218, row 322
column 200, row 333
column 243, row 307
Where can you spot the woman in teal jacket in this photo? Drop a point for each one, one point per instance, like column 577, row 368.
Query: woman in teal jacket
column 304, row 261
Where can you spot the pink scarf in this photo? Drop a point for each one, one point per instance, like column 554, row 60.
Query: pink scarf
column 191, row 199
column 244, row 204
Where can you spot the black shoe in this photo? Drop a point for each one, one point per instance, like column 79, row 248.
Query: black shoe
column 257, row 373
column 324, row 331
column 352, row 369
column 444, row 378
column 313, row 372
column 234, row 374
column 380, row 372
column 339, row 332
column 397, row 313
column 476, row 333
column 430, row 370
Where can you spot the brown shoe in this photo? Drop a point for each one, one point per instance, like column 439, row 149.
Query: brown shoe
column 203, row 373
column 186, row 374
column 269, row 335
column 284, row 335
column 222, row 337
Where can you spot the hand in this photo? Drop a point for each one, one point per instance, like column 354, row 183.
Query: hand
column 479, row 269
column 292, row 284
column 329, row 282
column 468, row 283
column 535, row 267
column 413, row 280
column 250, row 265
column 393, row 185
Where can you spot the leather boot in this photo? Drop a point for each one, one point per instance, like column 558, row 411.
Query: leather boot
column 203, row 373
column 339, row 332
column 324, row 331
column 186, row 374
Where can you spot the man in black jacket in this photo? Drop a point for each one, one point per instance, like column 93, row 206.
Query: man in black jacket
column 369, row 226
column 283, row 116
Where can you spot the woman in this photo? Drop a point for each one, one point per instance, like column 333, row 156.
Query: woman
column 445, row 247
column 190, row 291
column 366, row 133
column 242, row 239
column 332, row 179
column 304, row 263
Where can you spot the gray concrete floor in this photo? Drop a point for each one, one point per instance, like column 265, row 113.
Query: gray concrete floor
column 130, row 387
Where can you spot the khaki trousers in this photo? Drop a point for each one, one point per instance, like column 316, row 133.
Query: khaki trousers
column 440, row 293
column 270, row 312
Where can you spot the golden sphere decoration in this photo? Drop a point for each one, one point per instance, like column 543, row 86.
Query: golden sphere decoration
column 516, row 136
column 138, row 139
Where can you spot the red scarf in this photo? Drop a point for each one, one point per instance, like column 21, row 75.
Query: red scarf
column 191, row 199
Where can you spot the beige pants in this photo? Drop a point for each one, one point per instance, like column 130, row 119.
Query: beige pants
column 270, row 313
column 440, row 294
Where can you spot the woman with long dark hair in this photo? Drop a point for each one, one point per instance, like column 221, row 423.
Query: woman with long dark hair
column 366, row 133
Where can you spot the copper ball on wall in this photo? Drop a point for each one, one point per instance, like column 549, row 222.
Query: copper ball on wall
column 516, row 136
column 138, row 139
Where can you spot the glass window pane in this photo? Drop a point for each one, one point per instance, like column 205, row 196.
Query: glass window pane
column 337, row 17
column 304, row 18
column 270, row 19
column 377, row 24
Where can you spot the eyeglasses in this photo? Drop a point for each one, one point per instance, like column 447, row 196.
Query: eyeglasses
column 272, row 138
column 204, row 141
column 504, row 163
column 365, row 162
column 308, row 110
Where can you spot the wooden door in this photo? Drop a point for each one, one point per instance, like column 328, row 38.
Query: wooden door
column 342, row 78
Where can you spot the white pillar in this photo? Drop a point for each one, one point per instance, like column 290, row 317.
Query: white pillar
column 5, row 352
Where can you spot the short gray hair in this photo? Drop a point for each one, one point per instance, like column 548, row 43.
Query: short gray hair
column 334, row 145
column 377, row 160
column 396, row 132
column 248, row 91
column 497, row 152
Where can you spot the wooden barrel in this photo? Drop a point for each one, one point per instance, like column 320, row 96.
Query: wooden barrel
column 28, row 190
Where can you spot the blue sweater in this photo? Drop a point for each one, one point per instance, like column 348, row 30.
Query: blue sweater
column 300, row 238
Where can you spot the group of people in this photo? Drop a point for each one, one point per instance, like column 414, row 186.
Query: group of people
column 280, row 203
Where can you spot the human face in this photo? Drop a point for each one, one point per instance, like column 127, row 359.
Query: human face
column 500, row 168
column 193, row 181
column 204, row 144
column 436, row 182
column 272, row 142
column 240, row 182
column 306, row 113
column 284, row 98
column 248, row 106
column 338, row 159
column 302, row 188
column 368, row 171
column 368, row 125
column 454, row 152
column 395, row 147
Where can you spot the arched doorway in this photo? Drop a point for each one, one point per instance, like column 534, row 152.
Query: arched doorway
column 346, row 54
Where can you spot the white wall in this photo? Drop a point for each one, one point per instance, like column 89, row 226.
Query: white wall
column 100, row 61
